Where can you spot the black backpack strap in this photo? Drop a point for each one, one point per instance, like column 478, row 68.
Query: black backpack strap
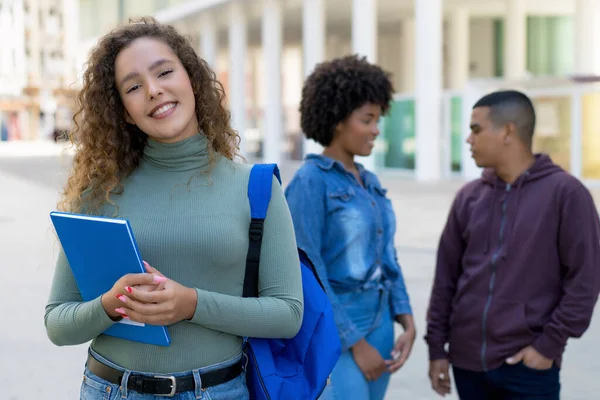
column 259, row 194
column 253, row 257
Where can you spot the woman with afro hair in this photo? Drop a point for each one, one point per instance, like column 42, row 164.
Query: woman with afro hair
column 346, row 225
column 154, row 146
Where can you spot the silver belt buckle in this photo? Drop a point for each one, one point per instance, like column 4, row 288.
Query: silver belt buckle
column 173, row 385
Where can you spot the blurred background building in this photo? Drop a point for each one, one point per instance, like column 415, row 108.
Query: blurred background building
column 443, row 55
column 38, row 45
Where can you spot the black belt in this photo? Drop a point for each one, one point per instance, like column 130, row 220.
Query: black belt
column 163, row 385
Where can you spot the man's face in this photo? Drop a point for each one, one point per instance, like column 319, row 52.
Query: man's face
column 485, row 139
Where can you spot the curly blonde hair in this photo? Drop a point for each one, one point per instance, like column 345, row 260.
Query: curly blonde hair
column 108, row 149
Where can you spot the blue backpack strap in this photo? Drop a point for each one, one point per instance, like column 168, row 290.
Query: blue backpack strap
column 259, row 194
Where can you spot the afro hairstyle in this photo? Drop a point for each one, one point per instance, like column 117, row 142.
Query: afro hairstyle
column 335, row 89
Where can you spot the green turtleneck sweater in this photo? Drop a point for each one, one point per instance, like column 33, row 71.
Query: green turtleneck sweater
column 192, row 227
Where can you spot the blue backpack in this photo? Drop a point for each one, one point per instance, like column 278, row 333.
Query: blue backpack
column 297, row 368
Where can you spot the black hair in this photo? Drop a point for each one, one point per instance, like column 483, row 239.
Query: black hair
column 335, row 89
column 511, row 106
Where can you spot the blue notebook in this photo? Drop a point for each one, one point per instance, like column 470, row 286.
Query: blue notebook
column 100, row 251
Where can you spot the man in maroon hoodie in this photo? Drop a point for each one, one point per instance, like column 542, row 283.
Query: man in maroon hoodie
column 518, row 265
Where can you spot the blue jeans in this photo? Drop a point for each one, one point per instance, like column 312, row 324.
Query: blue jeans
column 509, row 382
column 95, row 388
column 370, row 311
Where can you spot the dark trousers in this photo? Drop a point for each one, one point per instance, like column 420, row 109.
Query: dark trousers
column 509, row 382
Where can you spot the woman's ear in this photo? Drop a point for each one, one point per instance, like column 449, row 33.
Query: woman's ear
column 340, row 127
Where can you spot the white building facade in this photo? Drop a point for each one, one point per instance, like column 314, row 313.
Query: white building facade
column 443, row 55
column 38, row 45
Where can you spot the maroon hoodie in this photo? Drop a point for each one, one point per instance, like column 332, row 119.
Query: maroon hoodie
column 517, row 265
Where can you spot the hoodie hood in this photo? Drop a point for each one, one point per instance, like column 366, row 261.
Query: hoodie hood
column 542, row 167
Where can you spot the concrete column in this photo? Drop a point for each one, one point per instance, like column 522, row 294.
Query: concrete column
column 407, row 49
column 237, row 71
column 208, row 38
column 364, row 42
column 313, row 47
column 515, row 39
column 459, row 45
column 364, row 28
column 19, row 32
column 5, row 46
column 272, row 44
column 587, row 37
column 34, row 68
column 428, row 89
column 71, row 35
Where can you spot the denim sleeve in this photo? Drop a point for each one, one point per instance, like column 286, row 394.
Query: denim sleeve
column 399, row 300
column 306, row 199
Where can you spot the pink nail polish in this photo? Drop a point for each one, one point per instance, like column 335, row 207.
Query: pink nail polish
column 128, row 289
column 120, row 311
column 159, row 279
column 122, row 298
column 146, row 264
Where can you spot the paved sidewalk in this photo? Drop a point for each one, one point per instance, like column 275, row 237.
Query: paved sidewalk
column 32, row 368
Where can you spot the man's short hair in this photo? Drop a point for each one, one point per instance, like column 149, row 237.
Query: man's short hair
column 511, row 106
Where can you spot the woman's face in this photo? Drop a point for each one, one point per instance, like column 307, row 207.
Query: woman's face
column 156, row 91
column 357, row 133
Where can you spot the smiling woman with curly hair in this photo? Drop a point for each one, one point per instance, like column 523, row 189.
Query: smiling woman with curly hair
column 109, row 147
column 154, row 146
column 346, row 224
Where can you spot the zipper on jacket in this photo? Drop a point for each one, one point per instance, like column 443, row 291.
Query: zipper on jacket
column 493, row 263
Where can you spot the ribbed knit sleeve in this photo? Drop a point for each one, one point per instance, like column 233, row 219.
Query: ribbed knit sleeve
column 68, row 319
column 278, row 311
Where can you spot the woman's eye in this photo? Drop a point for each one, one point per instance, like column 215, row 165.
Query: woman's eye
column 131, row 89
column 167, row 72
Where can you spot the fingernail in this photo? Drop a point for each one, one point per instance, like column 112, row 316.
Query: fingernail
column 159, row 279
column 120, row 311
column 122, row 298
column 129, row 289
column 146, row 264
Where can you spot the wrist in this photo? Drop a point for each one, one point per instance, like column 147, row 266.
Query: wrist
column 358, row 346
column 109, row 307
column 407, row 321
column 192, row 303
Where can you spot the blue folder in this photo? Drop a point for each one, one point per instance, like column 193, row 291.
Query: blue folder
column 100, row 251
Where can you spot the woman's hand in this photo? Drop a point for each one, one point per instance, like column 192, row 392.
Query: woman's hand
column 401, row 351
column 404, row 343
column 110, row 300
column 169, row 304
column 153, row 287
column 368, row 360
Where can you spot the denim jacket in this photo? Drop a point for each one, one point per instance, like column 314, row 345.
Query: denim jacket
column 347, row 231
